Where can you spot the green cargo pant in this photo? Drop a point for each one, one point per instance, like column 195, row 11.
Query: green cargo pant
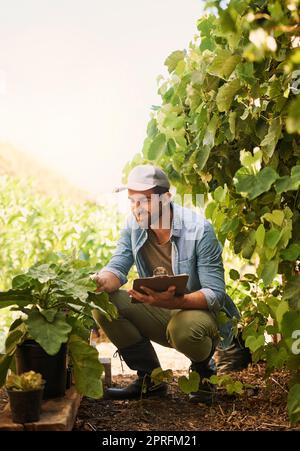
column 194, row 333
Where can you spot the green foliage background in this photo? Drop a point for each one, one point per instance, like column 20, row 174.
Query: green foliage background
column 228, row 127
column 34, row 226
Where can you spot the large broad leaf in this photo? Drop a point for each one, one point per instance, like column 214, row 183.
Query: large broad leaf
column 5, row 362
column 294, row 404
column 16, row 297
column 87, row 367
column 287, row 183
column 190, row 384
column 226, row 94
column 245, row 72
column 291, row 253
column 50, row 335
column 69, row 287
column 272, row 237
column 260, row 235
column 157, row 147
column 269, row 271
column 49, row 314
column 252, row 186
column 254, row 342
column 23, row 281
column 43, row 273
column 292, row 291
column 223, row 64
column 173, row 59
column 269, row 142
column 102, row 303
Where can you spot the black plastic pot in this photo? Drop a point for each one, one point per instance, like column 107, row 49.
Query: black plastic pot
column 25, row 406
column 31, row 356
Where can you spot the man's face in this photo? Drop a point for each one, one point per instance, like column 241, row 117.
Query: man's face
column 145, row 206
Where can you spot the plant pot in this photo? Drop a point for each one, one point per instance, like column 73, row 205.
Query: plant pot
column 25, row 406
column 53, row 368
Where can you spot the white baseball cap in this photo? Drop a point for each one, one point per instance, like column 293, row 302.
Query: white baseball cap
column 144, row 177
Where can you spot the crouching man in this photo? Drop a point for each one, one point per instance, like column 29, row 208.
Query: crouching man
column 161, row 233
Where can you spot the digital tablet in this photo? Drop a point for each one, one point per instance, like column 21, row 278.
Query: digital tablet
column 161, row 283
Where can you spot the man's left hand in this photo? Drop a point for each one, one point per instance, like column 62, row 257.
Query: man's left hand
column 165, row 299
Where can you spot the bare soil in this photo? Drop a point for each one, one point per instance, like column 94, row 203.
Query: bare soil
column 261, row 408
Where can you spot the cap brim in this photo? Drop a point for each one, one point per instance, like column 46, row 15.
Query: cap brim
column 134, row 187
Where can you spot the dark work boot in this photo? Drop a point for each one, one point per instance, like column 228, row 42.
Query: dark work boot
column 206, row 391
column 235, row 357
column 142, row 358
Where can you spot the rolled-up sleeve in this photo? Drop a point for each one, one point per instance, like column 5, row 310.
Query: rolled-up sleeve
column 210, row 268
column 122, row 259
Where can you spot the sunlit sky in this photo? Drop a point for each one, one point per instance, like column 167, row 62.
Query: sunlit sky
column 78, row 78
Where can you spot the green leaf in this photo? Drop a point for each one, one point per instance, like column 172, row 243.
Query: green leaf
column 287, row 183
column 292, row 290
column 232, row 122
column 49, row 314
column 171, row 146
column 158, row 376
column 248, row 245
column 272, row 238
column 16, row 297
column 49, row 335
column 157, row 147
column 223, row 64
column 252, row 186
column 190, row 384
column 255, row 342
column 291, row 253
column 269, row 142
column 293, row 404
column 152, row 128
column 282, row 308
column 234, row 275
column 276, row 217
column 43, row 273
column 173, row 121
column 209, row 136
column 276, row 10
column 260, row 235
column 87, row 367
column 290, row 323
column 270, row 270
column 245, row 72
column 22, row 282
column 293, row 119
column 103, row 304
column 276, row 358
column 226, row 94
column 173, row 59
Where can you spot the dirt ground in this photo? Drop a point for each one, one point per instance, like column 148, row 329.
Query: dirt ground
column 263, row 408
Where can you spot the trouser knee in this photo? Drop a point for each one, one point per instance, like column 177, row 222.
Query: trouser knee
column 191, row 336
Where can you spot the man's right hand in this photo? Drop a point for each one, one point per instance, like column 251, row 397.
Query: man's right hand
column 106, row 281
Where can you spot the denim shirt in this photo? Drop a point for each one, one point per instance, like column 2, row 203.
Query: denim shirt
column 196, row 251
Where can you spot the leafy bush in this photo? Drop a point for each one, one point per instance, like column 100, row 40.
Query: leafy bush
column 228, row 127
column 57, row 300
column 34, row 226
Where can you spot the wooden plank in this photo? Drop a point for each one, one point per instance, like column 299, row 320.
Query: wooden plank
column 57, row 414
